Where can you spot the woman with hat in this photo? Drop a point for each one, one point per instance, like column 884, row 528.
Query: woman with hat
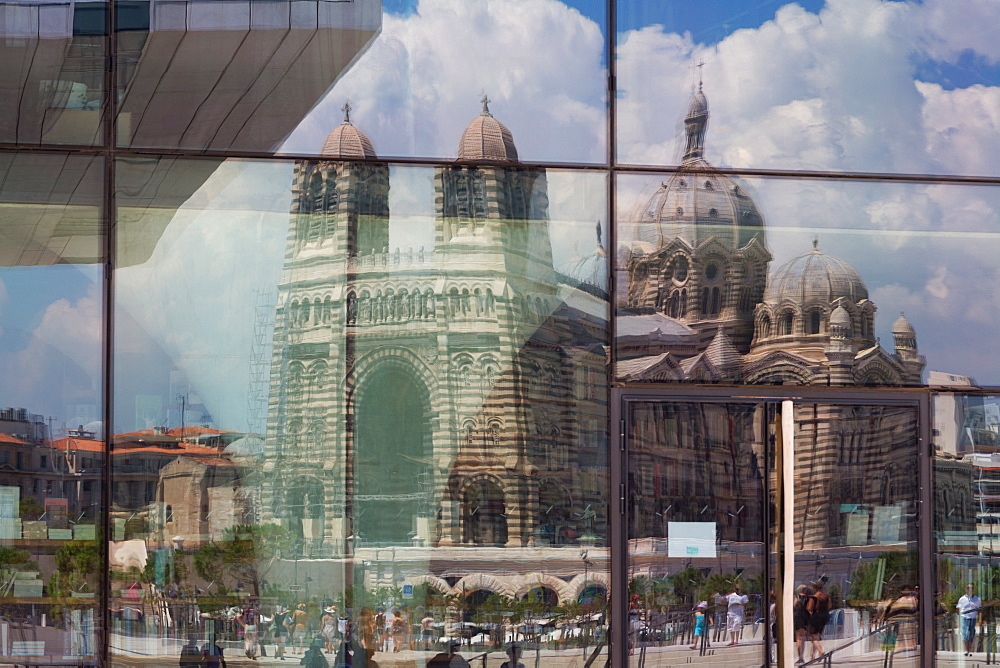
column 328, row 627
column 701, row 621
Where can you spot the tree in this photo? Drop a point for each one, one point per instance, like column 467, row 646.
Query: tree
column 244, row 555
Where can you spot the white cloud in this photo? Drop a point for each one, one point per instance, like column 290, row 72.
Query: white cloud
column 949, row 28
column 417, row 87
column 962, row 128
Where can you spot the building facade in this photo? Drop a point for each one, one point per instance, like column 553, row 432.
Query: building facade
column 535, row 377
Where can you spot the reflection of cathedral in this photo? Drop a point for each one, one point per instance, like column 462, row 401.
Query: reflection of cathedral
column 472, row 410
column 698, row 305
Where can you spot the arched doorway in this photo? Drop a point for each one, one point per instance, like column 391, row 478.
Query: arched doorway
column 484, row 521
column 392, row 457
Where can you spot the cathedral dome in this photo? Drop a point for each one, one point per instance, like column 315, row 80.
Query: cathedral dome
column 347, row 142
column 815, row 277
column 698, row 106
column 840, row 317
column 694, row 205
column 591, row 269
column 903, row 326
column 486, row 138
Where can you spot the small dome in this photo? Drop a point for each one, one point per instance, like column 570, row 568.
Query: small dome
column 815, row 277
column 486, row 138
column 698, row 106
column 591, row 269
column 840, row 317
column 346, row 141
column 903, row 326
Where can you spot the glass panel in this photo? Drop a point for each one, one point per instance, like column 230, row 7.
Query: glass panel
column 856, row 563
column 816, row 85
column 51, row 434
column 799, row 281
column 279, row 77
column 52, row 57
column 966, row 515
column 367, row 399
column 696, row 531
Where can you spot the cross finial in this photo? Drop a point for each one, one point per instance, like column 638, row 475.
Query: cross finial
column 815, row 243
column 347, row 112
column 599, row 244
column 486, row 101
column 701, row 64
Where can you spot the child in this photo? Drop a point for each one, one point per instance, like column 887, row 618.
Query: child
column 701, row 622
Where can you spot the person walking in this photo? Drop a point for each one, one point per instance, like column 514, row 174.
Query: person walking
column 737, row 602
column 427, row 630
column 300, row 624
column 968, row 611
column 328, row 628
column 279, row 629
column 801, row 613
column 818, row 619
column 701, row 622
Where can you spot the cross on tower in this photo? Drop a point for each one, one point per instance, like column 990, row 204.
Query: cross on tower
column 347, row 112
column 486, row 101
column 701, row 64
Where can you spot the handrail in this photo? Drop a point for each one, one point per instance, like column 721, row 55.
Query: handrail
column 827, row 657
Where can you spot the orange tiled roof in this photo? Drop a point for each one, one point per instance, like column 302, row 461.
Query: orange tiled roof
column 7, row 438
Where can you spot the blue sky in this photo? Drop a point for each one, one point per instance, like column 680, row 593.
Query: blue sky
column 844, row 85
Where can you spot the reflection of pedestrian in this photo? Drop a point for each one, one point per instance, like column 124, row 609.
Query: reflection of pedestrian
column 212, row 655
column 328, row 627
column 279, row 629
column 300, row 624
column 737, row 602
column 903, row 611
column 968, row 611
column 513, row 657
column 818, row 618
column 448, row 659
column 313, row 658
column 801, row 612
column 426, row 630
column 701, row 620
column 250, row 619
column 190, row 654
column 398, row 627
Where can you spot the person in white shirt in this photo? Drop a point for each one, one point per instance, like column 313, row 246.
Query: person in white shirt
column 737, row 602
column 968, row 610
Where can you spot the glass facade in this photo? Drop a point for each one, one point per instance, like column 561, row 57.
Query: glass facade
column 561, row 332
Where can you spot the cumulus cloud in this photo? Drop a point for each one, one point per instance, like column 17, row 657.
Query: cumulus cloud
column 417, row 87
column 58, row 362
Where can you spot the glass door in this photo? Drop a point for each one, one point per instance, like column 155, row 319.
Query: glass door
column 762, row 530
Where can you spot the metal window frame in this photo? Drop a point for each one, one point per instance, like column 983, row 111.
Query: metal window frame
column 623, row 396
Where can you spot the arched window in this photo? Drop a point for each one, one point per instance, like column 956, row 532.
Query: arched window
column 786, row 324
column 765, row 327
column 814, row 322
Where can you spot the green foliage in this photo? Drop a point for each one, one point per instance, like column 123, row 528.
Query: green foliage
column 78, row 568
column 243, row 556
column 29, row 508
column 900, row 568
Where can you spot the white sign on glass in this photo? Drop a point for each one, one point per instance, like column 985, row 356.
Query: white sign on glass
column 690, row 540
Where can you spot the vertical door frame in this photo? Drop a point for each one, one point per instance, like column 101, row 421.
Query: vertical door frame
column 622, row 397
